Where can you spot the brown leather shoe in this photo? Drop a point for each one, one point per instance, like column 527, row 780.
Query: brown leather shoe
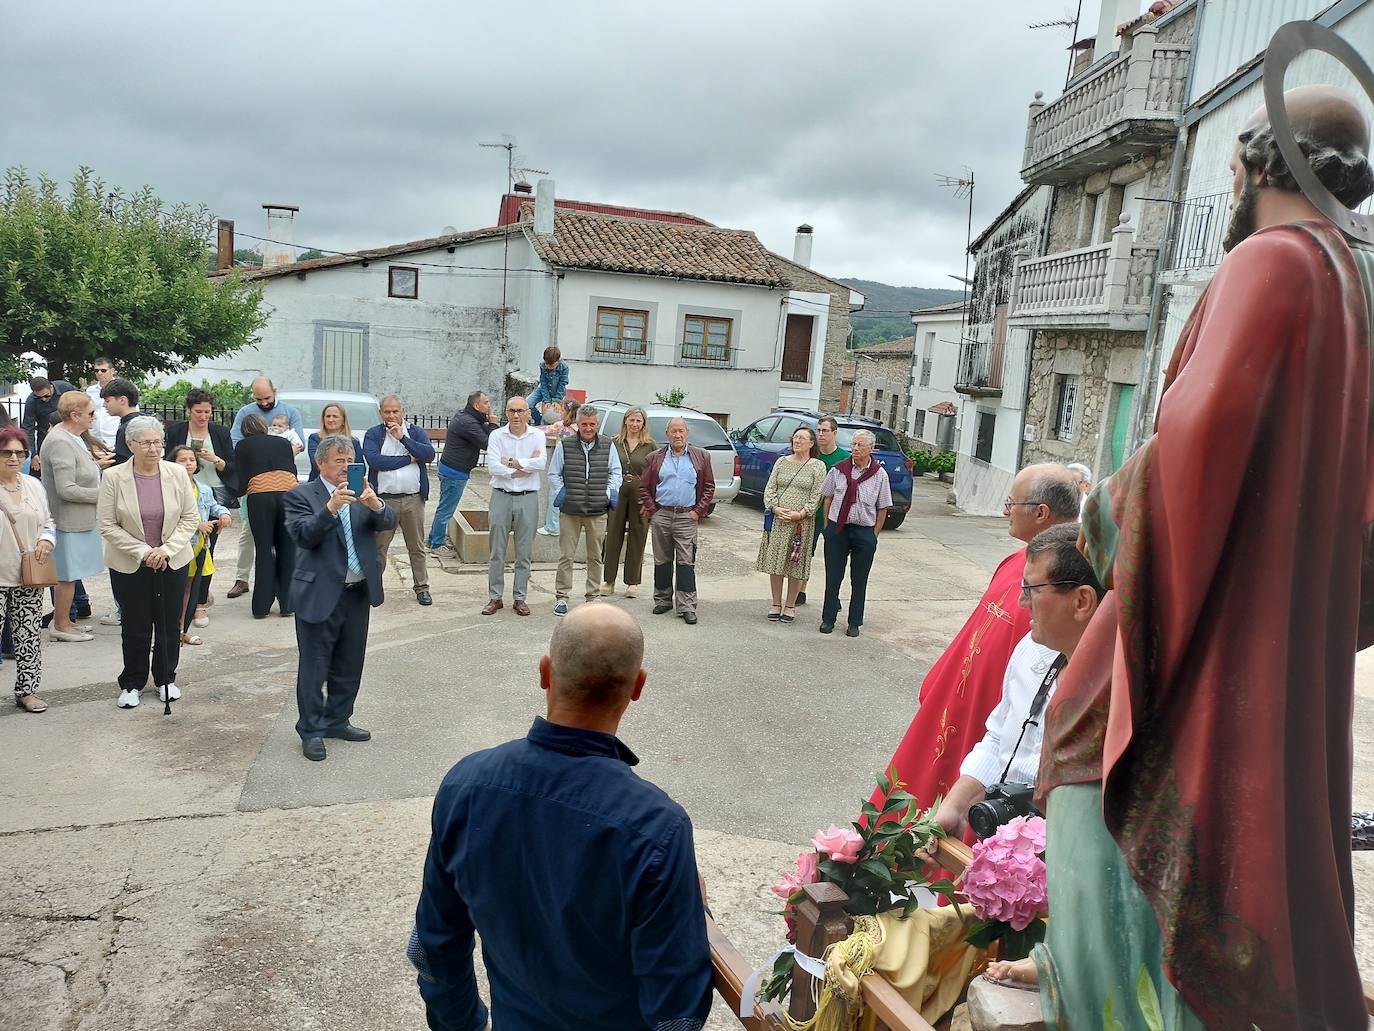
column 494, row 606
column 239, row 589
column 521, row 609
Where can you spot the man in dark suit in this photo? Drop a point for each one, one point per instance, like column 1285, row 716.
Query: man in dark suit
column 336, row 580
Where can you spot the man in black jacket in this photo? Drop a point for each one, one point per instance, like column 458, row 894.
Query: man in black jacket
column 467, row 439
column 39, row 408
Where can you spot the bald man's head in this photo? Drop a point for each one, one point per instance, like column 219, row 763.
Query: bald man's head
column 1331, row 132
column 595, row 657
column 1041, row 496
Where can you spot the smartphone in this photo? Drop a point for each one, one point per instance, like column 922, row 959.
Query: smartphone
column 357, row 477
column 197, row 445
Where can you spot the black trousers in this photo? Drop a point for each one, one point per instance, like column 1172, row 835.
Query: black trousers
column 150, row 621
column 855, row 545
column 330, row 667
column 275, row 551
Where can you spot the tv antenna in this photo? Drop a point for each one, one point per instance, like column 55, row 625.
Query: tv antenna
column 508, row 145
column 962, row 185
column 1064, row 23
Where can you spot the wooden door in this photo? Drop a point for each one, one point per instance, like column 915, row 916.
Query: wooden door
column 796, row 348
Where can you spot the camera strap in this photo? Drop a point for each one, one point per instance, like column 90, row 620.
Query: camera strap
column 1036, row 706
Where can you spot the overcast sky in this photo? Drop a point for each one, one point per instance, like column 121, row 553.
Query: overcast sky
column 754, row 115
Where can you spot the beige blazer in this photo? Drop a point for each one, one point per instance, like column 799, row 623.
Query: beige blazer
column 121, row 525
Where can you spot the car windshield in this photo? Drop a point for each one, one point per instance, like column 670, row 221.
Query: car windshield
column 702, row 431
column 362, row 415
column 883, row 439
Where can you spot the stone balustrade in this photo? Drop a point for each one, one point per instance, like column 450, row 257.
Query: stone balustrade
column 1088, row 286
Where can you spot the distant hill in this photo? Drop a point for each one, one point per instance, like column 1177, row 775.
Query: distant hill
column 885, row 309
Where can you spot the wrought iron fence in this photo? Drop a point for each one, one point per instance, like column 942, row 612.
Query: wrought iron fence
column 1201, row 229
column 980, row 367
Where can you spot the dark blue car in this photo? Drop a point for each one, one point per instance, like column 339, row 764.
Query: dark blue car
column 765, row 440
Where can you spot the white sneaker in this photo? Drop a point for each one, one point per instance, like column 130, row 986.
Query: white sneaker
column 170, row 689
column 110, row 619
column 607, row 590
column 128, row 699
column 544, row 531
column 443, row 551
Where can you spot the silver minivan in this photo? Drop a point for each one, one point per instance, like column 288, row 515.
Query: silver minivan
column 702, row 430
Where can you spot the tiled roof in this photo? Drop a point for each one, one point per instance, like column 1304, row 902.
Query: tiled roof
column 607, row 243
column 376, row 253
column 892, row 347
column 511, row 204
column 937, row 309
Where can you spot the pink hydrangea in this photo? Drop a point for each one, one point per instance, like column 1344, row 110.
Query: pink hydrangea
column 1005, row 879
column 840, row 844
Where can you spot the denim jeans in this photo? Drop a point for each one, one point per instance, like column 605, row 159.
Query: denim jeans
column 534, row 400
column 551, row 524
column 450, row 494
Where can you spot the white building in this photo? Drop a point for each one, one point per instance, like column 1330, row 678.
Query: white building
column 932, row 402
column 991, row 373
column 638, row 302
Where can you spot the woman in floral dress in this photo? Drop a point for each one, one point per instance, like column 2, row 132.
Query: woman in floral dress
column 789, row 505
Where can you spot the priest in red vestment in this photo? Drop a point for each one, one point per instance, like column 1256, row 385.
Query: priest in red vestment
column 964, row 685
column 1238, row 544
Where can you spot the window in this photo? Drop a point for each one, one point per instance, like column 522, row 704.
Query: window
column 706, row 339
column 863, row 402
column 723, row 418
column 892, row 414
column 342, row 358
column 782, row 432
column 987, row 429
column 878, row 396
column 927, row 358
column 1065, row 407
column 403, row 282
column 796, row 348
column 621, row 332
column 757, row 433
column 918, row 423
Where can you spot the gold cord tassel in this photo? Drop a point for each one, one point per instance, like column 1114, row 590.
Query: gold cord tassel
column 847, row 963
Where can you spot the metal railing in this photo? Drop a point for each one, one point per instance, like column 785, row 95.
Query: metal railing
column 926, row 364
column 1202, row 227
column 625, row 347
column 980, row 367
column 1147, row 81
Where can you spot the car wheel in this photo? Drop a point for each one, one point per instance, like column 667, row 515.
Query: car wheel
column 894, row 520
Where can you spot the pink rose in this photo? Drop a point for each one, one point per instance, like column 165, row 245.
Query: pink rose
column 840, row 844
column 787, row 886
column 807, row 872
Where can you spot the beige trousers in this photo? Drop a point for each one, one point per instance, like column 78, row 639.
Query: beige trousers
column 570, row 529
column 410, row 520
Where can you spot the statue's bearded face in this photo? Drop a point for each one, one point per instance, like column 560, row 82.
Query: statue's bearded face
column 1242, row 222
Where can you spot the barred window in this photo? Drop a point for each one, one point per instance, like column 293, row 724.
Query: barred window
column 706, row 339
column 621, row 332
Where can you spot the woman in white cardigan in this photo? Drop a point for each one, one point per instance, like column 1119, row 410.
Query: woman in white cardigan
column 23, row 499
column 148, row 519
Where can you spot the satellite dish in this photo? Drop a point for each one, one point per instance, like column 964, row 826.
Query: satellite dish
column 449, row 231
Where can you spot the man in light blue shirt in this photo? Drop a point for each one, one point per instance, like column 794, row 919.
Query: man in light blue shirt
column 265, row 403
column 675, row 493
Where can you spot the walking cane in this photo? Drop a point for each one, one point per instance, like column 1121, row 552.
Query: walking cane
column 182, row 623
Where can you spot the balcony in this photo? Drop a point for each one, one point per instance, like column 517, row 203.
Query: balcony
column 980, row 368
column 1127, row 107
column 1104, row 287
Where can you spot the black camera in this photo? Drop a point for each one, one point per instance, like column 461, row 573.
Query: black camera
column 1002, row 803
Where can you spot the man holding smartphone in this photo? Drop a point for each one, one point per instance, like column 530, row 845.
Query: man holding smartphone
column 337, row 580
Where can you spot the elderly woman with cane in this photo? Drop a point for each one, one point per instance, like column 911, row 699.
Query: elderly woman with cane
column 214, row 517
column 148, row 517
column 26, row 563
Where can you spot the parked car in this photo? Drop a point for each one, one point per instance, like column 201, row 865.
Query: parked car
column 765, row 440
column 702, row 430
column 363, row 413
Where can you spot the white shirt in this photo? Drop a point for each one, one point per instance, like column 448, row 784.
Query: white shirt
column 1026, row 671
column 405, row 480
column 529, row 450
column 104, row 426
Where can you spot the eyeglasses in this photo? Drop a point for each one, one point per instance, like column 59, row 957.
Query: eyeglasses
column 1028, row 589
column 1008, row 503
column 10, row 452
column 147, row 443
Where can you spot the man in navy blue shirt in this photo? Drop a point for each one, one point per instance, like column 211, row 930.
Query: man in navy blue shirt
column 580, row 877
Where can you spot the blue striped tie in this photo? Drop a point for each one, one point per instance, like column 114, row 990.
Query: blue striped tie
column 345, row 517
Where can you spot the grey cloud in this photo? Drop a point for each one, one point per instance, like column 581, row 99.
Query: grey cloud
column 756, row 115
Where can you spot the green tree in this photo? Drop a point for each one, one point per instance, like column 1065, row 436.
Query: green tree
column 246, row 256
column 95, row 272
column 310, row 254
column 675, row 396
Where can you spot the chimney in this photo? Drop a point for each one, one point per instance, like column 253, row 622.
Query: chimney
column 278, row 248
column 801, row 250
column 224, row 245
column 523, row 187
column 1114, row 13
column 543, row 208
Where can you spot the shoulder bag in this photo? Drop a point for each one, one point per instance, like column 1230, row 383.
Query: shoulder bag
column 33, row 571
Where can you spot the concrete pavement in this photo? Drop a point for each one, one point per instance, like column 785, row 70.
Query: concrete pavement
column 194, row 871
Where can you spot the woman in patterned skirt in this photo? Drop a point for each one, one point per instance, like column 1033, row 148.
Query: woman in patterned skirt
column 31, row 528
column 789, row 505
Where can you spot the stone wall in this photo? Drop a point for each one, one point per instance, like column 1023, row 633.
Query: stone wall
column 1069, row 201
column 1100, row 360
column 891, row 374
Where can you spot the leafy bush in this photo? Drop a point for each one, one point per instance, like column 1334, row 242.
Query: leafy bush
column 675, row 396
column 943, row 462
column 228, row 393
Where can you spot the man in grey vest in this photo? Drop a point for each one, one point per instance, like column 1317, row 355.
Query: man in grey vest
column 585, row 477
